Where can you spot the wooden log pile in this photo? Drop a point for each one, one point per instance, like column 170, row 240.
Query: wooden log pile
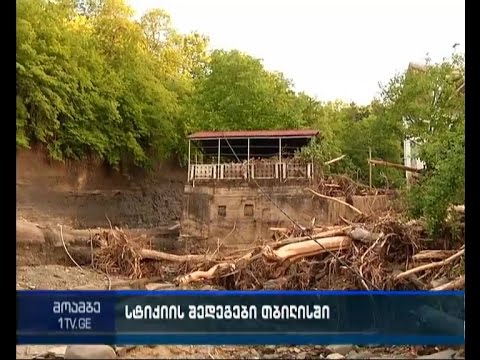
column 386, row 254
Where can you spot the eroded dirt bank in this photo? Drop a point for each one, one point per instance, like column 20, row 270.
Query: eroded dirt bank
column 82, row 194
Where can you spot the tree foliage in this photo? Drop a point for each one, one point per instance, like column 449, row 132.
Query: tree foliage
column 93, row 80
column 237, row 93
column 431, row 104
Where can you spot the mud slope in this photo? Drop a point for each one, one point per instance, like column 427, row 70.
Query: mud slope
column 81, row 194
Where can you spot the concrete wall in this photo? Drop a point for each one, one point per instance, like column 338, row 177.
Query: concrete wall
column 248, row 212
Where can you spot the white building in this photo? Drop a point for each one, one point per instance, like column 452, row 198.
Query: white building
column 410, row 157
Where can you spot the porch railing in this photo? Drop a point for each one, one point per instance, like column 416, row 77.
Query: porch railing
column 261, row 170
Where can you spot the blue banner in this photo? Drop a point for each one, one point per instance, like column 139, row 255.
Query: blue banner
column 241, row 317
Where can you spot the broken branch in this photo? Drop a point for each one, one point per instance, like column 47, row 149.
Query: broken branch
column 430, row 266
column 335, row 199
column 159, row 255
column 458, row 283
column 334, row 160
column 433, row 255
column 202, row 275
column 324, row 234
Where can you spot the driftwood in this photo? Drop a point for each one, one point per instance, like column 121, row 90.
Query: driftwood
column 159, row 255
column 458, row 283
column 29, row 233
column 433, row 255
column 430, row 266
column 202, row 275
column 292, row 252
column 336, row 200
column 308, row 248
column 394, row 165
column 324, row 234
column 315, row 229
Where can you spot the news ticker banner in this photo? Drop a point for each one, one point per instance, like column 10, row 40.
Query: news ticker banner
column 238, row 317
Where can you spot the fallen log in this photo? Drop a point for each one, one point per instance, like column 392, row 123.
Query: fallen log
column 70, row 236
column 29, row 233
column 315, row 229
column 458, row 283
column 203, row 275
column 82, row 254
column 433, row 255
column 336, row 200
column 324, row 234
column 308, row 248
column 159, row 255
column 430, row 266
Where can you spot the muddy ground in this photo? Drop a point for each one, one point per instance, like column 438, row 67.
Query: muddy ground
column 67, row 277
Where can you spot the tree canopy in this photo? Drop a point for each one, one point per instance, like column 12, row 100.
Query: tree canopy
column 94, row 80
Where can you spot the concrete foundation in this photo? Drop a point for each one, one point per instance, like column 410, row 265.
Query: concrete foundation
column 241, row 215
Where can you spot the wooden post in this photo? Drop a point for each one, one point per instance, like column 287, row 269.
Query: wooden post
column 370, row 166
column 189, row 149
column 248, row 157
column 280, row 150
column 218, row 159
column 280, row 158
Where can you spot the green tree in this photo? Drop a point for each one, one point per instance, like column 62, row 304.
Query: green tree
column 89, row 82
column 430, row 102
column 237, row 93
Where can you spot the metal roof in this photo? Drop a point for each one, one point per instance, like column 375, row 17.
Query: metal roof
column 203, row 135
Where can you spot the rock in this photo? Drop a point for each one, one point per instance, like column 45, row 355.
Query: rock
column 340, row 349
column 301, row 356
column 270, row 349
column 123, row 350
column 297, row 350
column 359, row 355
column 335, row 356
column 458, row 355
column 90, row 352
column 254, row 352
column 244, row 355
column 283, row 349
column 446, row 354
column 270, row 356
column 57, row 352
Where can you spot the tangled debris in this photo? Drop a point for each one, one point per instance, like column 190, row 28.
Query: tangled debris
column 386, row 254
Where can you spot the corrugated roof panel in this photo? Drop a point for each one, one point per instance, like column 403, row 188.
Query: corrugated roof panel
column 253, row 134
